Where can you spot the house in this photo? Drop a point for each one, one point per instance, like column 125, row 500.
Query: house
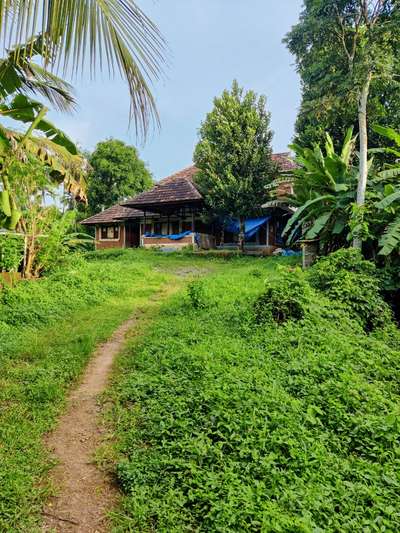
column 171, row 215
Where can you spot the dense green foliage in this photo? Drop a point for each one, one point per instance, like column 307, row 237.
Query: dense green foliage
column 118, row 173
column 283, row 299
column 332, row 71
column 48, row 330
column 389, row 199
column 324, row 191
column 346, row 278
column 233, row 426
column 234, row 154
column 11, row 252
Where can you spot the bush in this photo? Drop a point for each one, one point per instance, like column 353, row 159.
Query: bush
column 283, row 299
column 11, row 252
column 345, row 277
column 197, row 295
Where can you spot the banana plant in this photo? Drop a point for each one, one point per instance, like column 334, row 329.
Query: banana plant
column 43, row 141
column 390, row 203
column 324, row 191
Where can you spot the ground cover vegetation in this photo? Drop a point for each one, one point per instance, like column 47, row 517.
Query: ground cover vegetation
column 272, row 407
column 49, row 328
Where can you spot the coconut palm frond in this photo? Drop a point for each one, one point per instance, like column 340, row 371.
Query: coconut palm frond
column 98, row 34
column 20, row 74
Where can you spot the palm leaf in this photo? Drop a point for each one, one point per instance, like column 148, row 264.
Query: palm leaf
column 18, row 73
column 338, row 227
column 390, row 173
column 114, row 34
column 24, row 109
column 391, row 238
column 391, row 151
column 348, row 147
column 295, row 218
column 319, row 225
column 388, row 200
column 387, row 132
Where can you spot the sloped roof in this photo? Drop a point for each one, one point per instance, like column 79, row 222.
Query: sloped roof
column 284, row 161
column 180, row 187
column 175, row 189
column 113, row 214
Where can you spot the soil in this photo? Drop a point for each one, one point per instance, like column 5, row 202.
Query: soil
column 86, row 493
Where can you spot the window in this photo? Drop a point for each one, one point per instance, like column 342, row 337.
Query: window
column 109, row 232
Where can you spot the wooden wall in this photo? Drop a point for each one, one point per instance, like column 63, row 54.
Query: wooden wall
column 107, row 244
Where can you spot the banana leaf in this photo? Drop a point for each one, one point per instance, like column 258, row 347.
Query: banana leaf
column 391, row 238
column 386, row 202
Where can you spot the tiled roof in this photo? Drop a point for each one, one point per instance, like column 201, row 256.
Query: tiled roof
column 284, row 161
column 180, row 187
column 174, row 189
column 113, row 214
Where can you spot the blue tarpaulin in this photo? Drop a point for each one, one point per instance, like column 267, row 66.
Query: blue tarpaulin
column 251, row 226
column 172, row 236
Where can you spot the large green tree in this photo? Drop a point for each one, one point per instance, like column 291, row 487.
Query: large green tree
column 234, row 155
column 348, row 56
column 118, row 173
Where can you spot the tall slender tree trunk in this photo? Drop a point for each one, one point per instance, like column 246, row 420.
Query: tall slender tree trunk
column 241, row 234
column 363, row 132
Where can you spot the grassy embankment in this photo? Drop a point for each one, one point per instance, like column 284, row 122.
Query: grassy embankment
column 48, row 329
column 225, row 425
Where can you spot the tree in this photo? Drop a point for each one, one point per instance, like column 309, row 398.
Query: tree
column 234, row 155
column 118, row 173
column 114, row 34
column 345, row 49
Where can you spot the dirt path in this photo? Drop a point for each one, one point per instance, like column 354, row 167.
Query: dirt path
column 86, row 493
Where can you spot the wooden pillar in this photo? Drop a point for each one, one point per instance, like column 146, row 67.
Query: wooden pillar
column 193, row 225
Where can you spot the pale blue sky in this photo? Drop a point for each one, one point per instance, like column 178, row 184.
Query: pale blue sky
column 212, row 42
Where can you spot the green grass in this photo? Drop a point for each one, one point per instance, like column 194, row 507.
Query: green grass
column 227, row 426
column 48, row 330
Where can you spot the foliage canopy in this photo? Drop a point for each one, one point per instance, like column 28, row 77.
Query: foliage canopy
column 234, row 154
column 117, row 173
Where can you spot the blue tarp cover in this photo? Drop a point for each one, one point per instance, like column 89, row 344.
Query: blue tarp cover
column 172, row 236
column 251, row 226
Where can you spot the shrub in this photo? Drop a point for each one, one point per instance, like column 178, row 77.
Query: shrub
column 345, row 277
column 197, row 295
column 11, row 252
column 283, row 299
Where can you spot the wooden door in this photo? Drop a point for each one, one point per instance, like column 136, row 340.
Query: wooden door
column 132, row 235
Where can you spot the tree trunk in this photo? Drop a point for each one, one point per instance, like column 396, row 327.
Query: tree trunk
column 241, row 234
column 363, row 132
column 222, row 241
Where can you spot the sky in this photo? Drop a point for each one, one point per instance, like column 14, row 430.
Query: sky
column 211, row 43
